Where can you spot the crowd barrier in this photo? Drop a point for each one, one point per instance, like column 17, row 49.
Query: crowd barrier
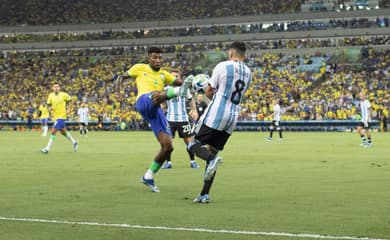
column 301, row 125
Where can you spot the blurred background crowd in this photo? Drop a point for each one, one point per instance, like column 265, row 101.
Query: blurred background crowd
column 312, row 85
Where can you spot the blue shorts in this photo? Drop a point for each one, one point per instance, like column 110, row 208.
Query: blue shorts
column 44, row 121
column 59, row 124
column 153, row 114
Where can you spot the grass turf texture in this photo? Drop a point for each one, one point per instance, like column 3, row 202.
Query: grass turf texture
column 315, row 183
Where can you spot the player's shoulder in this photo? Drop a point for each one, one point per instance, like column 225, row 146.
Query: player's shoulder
column 64, row 95
column 139, row 66
column 166, row 73
column 224, row 63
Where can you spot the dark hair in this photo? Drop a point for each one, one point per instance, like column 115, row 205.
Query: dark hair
column 154, row 50
column 240, row 46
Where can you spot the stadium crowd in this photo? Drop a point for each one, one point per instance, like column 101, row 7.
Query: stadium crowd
column 50, row 12
column 37, row 12
column 310, row 86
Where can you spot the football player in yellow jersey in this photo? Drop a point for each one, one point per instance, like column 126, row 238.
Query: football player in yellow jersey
column 57, row 103
column 44, row 117
column 150, row 81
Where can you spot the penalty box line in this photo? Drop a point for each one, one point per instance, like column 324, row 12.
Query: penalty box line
column 202, row 230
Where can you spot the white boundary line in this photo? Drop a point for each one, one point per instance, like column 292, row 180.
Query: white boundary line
column 204, row 230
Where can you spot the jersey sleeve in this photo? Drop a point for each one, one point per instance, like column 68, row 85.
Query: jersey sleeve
column 134, row 70
column 169, row 78
column 67, row 97
column 49, row 99
column 368, row 104
column 216, row 76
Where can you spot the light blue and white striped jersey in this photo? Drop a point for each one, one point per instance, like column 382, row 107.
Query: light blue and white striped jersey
column 83, row 113
column 365, row 110
column 231, row 79
column 276, row 109
column 177, row 111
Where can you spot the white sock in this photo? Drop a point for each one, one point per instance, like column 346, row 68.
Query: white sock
column 50, row 143
column 45, row 130
column 69, row 136
column 149, row 174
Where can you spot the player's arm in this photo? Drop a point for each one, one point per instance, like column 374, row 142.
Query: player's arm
column 194, row 111
column 212, row 86
column 215, row 80
column 173, row 78
column 68, row 103
column 49, row 109
column 177, row 82
column 164, row 107
column 118, row 83
column 271, row 116
column 369, row 110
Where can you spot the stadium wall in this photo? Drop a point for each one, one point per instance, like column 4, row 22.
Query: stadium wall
column 331, row 33
column 296, row 126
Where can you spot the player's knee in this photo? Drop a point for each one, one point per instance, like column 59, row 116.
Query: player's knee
column 167, row 149
column 158, row 97
column 213, row 151
column 193, row 144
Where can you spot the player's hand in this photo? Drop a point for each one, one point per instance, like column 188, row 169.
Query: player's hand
column 118, row 83
column 194, row 115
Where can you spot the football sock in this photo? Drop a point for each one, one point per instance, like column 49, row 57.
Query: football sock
column 149, row 174
column 154, row 167
column 200, row 151
column 172, row 92
column 191, row 155
column 207, row 185
column 363, row 138
column 51, row 140
column 169, row 157
column 369, row 139
column 45, row 130
column 81, row 131
column 271, row 133
column 280, row 134
column 69, row 136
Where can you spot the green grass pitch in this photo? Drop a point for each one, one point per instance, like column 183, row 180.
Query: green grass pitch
column 310, row 183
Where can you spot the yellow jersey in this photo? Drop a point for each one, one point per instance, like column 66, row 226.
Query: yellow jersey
column 148, row 80
column 44, row 112
column 58, row 104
